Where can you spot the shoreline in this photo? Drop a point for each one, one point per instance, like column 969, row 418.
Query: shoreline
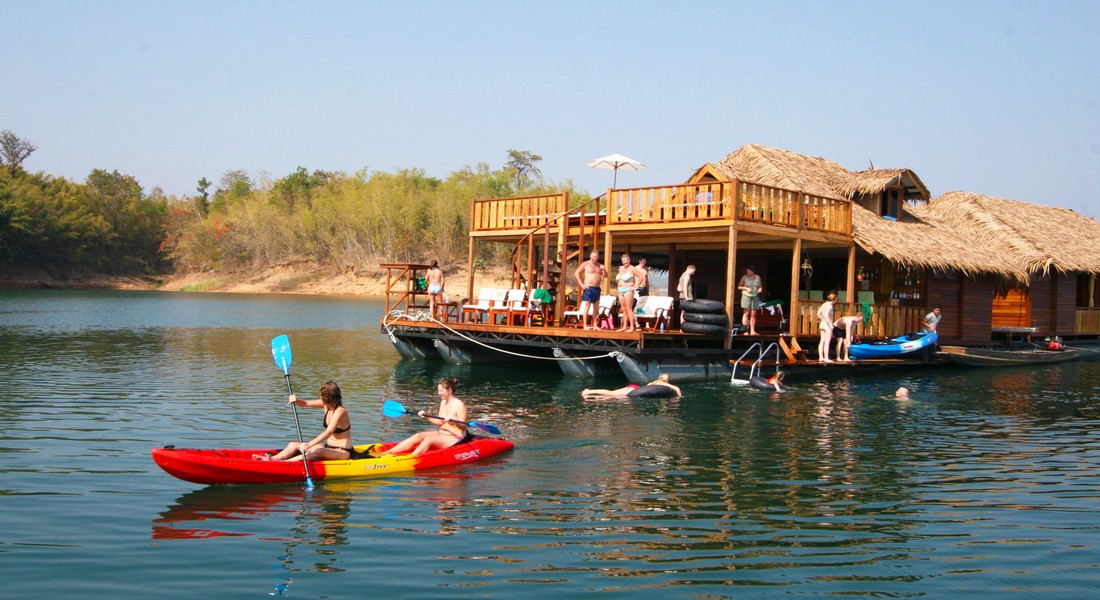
column 289, row 278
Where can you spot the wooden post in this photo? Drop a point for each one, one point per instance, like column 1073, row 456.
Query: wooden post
column 607, row 261
column 795, row 318
column 851, row 283
column 731, row 278
column 470, row 268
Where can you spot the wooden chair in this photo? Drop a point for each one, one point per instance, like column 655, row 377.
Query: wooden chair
column 504, row 303
column 531, row 311
column 652, row 311
column 604, row 310
column 472, row 312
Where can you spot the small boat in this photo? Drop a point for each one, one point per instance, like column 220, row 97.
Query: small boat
column 213, row 466
column 905, row 344
column 1007, row 357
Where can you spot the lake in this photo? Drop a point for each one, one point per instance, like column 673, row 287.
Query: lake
column 985, row 482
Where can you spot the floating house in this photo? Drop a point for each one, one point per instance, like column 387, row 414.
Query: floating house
column 997, row 268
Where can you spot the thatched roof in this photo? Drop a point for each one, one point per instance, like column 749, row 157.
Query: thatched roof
column 874, row 181
column 813, row 174
column 1036, row 237
column 782, row 169
column 917, row 243
column 966, row 232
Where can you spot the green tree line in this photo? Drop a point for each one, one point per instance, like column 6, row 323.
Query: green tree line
column 109, row 225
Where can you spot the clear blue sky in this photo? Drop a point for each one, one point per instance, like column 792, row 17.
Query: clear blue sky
column 999, row 98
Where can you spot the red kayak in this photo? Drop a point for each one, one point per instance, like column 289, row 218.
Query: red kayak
column 238, row 466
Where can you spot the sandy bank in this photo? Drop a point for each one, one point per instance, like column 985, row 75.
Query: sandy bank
column 289, row 278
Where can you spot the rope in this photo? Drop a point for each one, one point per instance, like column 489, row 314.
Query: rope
column 423, row 316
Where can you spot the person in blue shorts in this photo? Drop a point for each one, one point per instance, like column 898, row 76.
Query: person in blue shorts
column 589, row 276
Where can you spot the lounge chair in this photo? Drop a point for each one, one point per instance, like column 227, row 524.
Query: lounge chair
column 652, row 311
column 471, row 312
column 503, row 302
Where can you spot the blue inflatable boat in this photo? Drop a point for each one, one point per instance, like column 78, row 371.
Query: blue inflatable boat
column 911, row 342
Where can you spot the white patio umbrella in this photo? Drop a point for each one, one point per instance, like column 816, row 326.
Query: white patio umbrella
column 615, row 161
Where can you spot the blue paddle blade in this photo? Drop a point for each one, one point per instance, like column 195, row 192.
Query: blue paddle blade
column 393, row 408
column 280, row 349
column 493, row 429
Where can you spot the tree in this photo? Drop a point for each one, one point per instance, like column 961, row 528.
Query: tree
column 521, row 165
column 202, row 201
column 14, row 150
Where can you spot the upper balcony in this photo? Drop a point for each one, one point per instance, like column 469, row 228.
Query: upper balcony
column 703, row 204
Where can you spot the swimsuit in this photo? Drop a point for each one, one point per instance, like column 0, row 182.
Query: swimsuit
column 627, row 278
column 337, row 430
column 591, row 293
column 435, row 289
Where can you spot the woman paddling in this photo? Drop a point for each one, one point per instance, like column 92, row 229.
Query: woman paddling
column 334, row 443
column 448, row 434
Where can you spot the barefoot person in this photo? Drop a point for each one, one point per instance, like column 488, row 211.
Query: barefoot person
column 448, row 434
column 751, row 287
column 825, row 328
column 845, row 328
column 589, row 276
column 334, row 443
column 626, row 280
column 436, row 281
column 626, row 392
column 642, row 286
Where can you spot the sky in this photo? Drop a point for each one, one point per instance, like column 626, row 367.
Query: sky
column 1000, row 98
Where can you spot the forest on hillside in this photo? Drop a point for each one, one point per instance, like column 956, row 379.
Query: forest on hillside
column 109, row 225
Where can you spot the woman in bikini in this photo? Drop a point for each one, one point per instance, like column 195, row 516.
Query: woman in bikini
column 624, row 392
column 334, row 443
column 448, row 434
column 436, row 281
column 625, row 279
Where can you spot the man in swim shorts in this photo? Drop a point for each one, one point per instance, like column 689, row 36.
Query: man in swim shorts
column 589, row 275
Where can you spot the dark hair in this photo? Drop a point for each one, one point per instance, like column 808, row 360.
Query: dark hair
column 750, row 268
column 330, row 394
column 449, row 383
column 435, row 264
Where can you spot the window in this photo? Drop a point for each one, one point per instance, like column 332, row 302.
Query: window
column 890, row 206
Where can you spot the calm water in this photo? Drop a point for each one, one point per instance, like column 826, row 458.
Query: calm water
column 986, row 482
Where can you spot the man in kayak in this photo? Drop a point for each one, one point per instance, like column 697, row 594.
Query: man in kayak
column 448, row 434
column 334, row 443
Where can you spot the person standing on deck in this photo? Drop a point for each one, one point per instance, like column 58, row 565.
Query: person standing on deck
column 843, row 332
column 751, row 287
column 684, row 289
column 590, row 276
column 825, row 328
column 627, row 280
column 642, row 285
column 931, row 320
column 436, row 281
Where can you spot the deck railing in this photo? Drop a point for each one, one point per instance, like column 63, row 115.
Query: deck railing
column 1087, row 320
column 528, row 212
column 678, row 204
column 729, row 200
column 886, row 321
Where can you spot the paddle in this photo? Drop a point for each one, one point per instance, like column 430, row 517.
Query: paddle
column 394, row 409
column 280, row 349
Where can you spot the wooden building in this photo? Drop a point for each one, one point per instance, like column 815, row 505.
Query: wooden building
column 808, row 226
